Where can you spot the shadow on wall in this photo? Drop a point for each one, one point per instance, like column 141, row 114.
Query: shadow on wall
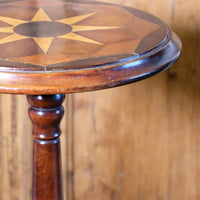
column 184, row 77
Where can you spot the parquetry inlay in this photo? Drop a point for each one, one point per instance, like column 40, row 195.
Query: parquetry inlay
column 69, row 31
column 45, row 42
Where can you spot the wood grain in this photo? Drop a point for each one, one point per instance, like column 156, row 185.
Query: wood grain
column 151, row 150
column 106, row 46
column 46, row 113
column 142, row 142
column 15, row 154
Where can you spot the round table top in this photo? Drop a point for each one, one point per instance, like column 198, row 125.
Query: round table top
column 56, row 46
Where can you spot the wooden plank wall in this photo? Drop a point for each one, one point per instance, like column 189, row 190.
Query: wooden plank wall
column 136, row 142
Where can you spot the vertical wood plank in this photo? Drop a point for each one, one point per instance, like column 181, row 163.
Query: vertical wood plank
column 120, row 154
column 16, row 149
column 10, row 148
column 66, row 145
column 69, row 189
column 139, row 141
column 184, row 98
column 25, row 145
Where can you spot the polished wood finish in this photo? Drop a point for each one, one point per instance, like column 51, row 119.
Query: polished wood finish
column 80, row 46
column 169, row 103
column 46, row 113
column 80, row 53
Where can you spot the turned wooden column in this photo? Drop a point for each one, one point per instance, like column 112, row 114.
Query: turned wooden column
column 46, row 113
column 63, row 47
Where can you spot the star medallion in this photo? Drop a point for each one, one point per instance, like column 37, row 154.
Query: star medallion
column 43, row 30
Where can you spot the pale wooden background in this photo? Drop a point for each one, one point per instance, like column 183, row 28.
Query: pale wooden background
column 136, row 142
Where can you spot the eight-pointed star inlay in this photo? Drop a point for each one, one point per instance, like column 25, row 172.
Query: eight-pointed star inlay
column 43, row 30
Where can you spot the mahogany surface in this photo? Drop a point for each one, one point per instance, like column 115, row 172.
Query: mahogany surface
column 52, row 47
column 46, row 113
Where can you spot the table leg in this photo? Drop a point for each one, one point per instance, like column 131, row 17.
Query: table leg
column 46, row 113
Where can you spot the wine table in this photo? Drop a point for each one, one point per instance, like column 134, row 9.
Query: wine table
column 50, row 48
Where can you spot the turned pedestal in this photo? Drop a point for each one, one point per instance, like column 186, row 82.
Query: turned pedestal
column 52, row 48
column 46, row 113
